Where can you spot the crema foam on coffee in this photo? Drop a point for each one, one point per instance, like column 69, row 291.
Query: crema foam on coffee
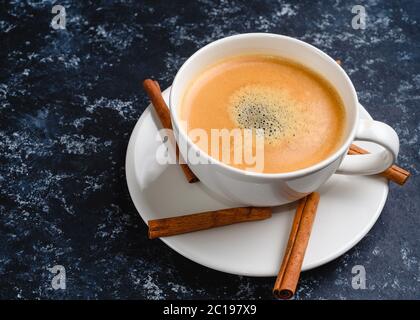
column 299, row 113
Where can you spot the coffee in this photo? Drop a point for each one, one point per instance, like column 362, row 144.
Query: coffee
column 300, row 114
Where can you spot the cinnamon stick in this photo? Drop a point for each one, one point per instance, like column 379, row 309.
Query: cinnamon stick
column 393, row 173
column 152, row 89
column 205, row 220
column 288, row 276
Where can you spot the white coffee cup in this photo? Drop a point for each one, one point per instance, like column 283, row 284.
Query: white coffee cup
column 271, row 189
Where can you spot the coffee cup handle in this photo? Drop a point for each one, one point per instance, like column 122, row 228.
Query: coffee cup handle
column 372, row 163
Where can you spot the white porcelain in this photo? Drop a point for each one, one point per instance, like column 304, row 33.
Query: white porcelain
column 349, row 207
column 259, row 189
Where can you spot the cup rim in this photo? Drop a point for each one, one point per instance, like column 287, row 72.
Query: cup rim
column 261, row 175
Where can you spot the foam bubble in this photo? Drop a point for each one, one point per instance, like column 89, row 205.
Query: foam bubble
column 263, row 107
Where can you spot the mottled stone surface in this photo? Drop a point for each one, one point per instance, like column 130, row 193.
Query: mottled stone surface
column 70, row 98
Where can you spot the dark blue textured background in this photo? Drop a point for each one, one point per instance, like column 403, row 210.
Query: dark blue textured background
column 70, row 98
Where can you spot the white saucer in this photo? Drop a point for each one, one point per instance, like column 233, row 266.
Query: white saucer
column 349, row 207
